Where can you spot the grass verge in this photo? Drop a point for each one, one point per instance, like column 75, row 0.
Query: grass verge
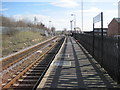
column 21, row 40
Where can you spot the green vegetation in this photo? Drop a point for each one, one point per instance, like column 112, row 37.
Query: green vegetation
column 17, row 35
column 21, row 40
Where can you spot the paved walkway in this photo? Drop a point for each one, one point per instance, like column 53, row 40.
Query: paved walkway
column 75, row 68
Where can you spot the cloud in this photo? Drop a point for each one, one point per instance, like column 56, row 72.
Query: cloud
column 115, row 4
column 3, row 9
column 91, row 10
column 66, row 3
column 30, row 17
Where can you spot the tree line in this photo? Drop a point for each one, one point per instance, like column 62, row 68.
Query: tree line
column 12, row 24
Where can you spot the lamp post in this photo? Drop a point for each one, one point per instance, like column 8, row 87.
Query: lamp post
column 74, row 21
column 71, row 25
column 35, row 20
column 50, row 28
column 50, row 25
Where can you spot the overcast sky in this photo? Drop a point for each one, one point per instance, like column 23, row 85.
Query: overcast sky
column 59, row 11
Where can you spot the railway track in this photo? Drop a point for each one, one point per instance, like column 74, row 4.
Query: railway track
column 12, row 59
column 19, row 61
column 30, row 75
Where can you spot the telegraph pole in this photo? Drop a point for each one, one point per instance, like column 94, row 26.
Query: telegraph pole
column 82, row 13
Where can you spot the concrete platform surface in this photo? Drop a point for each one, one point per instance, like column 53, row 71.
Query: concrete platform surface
column 74, row 68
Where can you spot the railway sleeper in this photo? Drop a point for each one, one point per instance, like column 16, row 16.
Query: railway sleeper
column 46, row 61
column 39, row 68
column 27, row 82
column 17, row 85
column 35, row 71
column 25, row 79
column 30, row 77
column 41, row 64
column 52, row 53
column 22, row 88
column 33, row 74
column 38, row 72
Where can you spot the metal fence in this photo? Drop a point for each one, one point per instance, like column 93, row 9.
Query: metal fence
column 108, row 58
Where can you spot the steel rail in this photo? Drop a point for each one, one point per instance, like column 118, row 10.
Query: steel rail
column 25, row 70
column 51, row 61
column 29, row 51
column 17, row 60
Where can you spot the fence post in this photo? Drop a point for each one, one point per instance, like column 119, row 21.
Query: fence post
column 102, row 39
column 118, row 60
column 93, row 41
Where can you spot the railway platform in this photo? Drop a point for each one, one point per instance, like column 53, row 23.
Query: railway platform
column 73, row 67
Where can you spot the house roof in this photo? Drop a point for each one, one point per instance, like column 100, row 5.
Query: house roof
column 117, row 19
column 114, row 19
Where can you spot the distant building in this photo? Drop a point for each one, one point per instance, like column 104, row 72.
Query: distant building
column 97, row 31
column 114, row 27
